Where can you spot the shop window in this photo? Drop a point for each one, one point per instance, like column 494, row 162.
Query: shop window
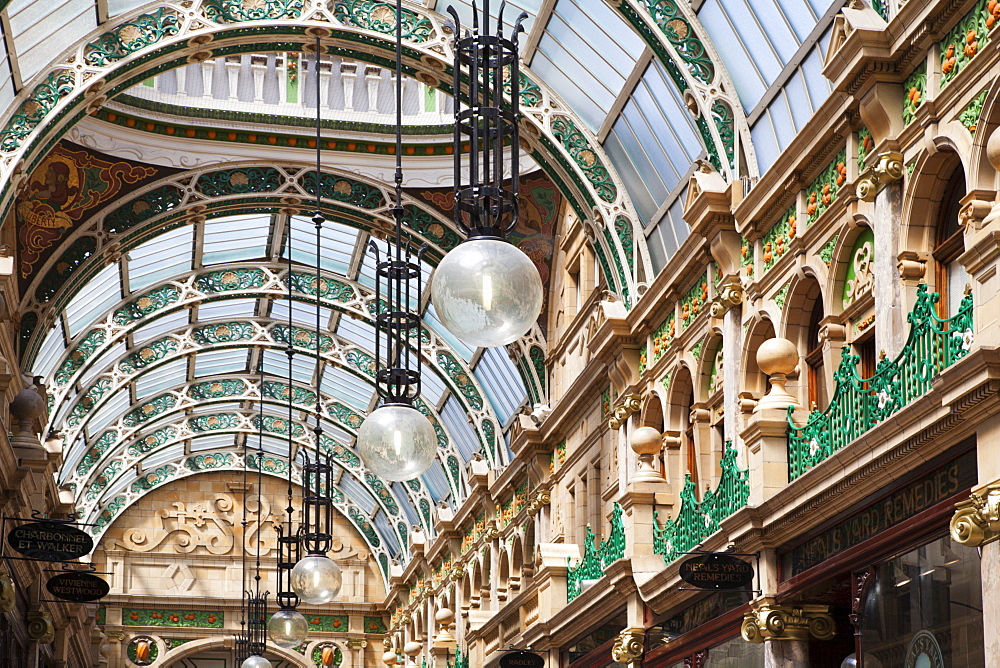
column 925, row 609
column 950, row 276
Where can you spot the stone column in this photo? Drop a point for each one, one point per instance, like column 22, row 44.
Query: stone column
column 890, row 310
column 786, row 630
column 982, row 250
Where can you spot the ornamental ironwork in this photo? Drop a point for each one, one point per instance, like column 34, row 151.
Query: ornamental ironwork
column 596, row 558
column 858, row 404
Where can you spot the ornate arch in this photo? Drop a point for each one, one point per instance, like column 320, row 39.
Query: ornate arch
column 165, row 35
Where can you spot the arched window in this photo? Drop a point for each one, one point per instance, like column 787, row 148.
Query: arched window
column 950, row 276
column 816, row 377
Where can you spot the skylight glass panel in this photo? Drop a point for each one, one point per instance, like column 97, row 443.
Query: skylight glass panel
column 214, row 362
column 384, row 528
column 765, row 143
column 160, row 326
column 235, row 238
column 119, row 485
column 161, row 258
column 500, row 380
column 432, row 321
column 460, row 432
column 432, row 388
column 116, row 7
column 158, row 379
column 586, row 55
column 110, row 411
column 346, row 387
column 335, row 432
column 338, row 245
column 43, row 28
column 52, row 349
column 358, row 493
column 812, row 71
column 358, row 332
column 64, row 409
column 159, row 457
column 229, row 407
column 99, row 365
column 243, row 309
column 436, row 482
column 653, row 142
column 96, row 297
column 271, row 444
column 6, row 77
column 403, row 497
column 303, row 366
column 209, row 441
column 303, row 314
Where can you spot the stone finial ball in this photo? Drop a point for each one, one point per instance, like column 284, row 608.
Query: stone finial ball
column 777, row 356
column 444, row 616
column 412, row 648
column 993, row 149
column 645, row 441
column 389, row 658
column 27, row 405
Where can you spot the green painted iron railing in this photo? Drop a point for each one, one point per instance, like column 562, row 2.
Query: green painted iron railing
column 696, row 520
column 597, row 558
column 858, row 404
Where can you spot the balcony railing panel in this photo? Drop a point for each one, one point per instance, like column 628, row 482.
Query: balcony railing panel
column 858, row 404
column 597, row 558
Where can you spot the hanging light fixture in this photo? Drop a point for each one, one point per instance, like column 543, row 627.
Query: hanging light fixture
column 256, row 601
column 315, row 578
column 486, row 291
column 396, row 441
column 287, row 627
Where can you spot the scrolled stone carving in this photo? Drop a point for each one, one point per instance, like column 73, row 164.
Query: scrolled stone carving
column 977, row 520
column 40, row 627
column 887, row 169
column 629, row 645
column 728, row 296
column 630, row 403
column 540, row 498
column 867, row 187
column 770, row 621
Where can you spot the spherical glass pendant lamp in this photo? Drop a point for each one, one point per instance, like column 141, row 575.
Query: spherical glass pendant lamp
column 316, row 579
column 256, row 662
column 287, row 628
column 487, row 292
column 397, row 442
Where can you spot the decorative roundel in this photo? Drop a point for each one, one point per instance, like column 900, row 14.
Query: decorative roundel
column 924, row 651
column 143, row 651
column 327, row 654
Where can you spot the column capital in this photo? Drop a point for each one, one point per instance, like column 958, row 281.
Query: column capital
column 771, row 621
column 629, row 646
column 977, row 520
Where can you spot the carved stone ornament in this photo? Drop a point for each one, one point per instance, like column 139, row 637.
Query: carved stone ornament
column 728, row 296
column 40, row 627
column 540, row 498
column 887, row 169
column 770, row 621
column 630, row 403
column 628, row 646
column 977, row 521
column 8, row 598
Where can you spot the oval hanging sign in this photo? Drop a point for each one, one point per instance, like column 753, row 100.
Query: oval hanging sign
column 521, row 659
column 717, row 571
column 50, row 541
column 77, row 587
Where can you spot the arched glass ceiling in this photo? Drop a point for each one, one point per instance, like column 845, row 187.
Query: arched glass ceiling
column 179, row 327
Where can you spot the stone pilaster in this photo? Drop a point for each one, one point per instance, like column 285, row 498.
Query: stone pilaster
column 890, row 309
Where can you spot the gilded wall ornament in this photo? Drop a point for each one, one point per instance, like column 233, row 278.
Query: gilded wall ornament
column 629, row 645
column 977, row 520
column 770, row 621
column 630, row 403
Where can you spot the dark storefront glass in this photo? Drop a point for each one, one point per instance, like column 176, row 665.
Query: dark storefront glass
column 925, row 609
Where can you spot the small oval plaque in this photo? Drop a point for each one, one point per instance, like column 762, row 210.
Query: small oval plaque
column 716, row 571
column 50, row 541
column 521, row 659
column 77, row 587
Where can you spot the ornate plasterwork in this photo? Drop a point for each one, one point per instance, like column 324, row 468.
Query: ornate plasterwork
column 769, row 621
column 977, row 520
column 81, row 80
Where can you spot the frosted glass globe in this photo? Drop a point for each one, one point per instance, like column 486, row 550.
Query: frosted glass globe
column 397, row 442
column 316, row 579
column 287, row 628
column 256, row 662
column 487, row 293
